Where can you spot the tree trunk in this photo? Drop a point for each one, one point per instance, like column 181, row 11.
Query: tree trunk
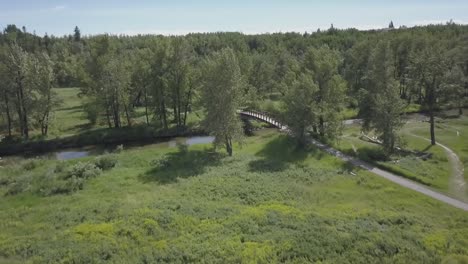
column 116, row 117
column 109, row 123
column 174, row 109
column 127, row 114
column 321, row 126
column 137, row 101
column 431, row 121
column 23, row 116
column 187, row 104
column 45, row 119
column 46, row 128
column 7, row 109
column 146, row 107
column 45, row 125
column 164, row 115
column 314, row 128
column 431, row 99
column 116, row 114
column 228, row 146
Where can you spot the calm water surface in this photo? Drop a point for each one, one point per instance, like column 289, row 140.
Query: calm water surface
column 75, row 153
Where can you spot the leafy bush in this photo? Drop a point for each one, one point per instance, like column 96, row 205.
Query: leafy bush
column 83, row 170
column 105, row 162
column 163, row 162
column 372, row 154
column 21, row 184
column 52, row 184
column 74, row 184
column 59, row 179
column 182, row 147
column 5, row 180
column 92, row 110
column 119, row 148
column 31, row 164
column 60, row 167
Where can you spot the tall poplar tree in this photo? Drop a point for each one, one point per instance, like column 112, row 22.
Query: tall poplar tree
column 429, row 66
column 222, row 97
column 323, row 64
column 380, row 105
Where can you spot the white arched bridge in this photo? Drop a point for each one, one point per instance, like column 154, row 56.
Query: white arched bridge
column 262, row 116
column 265, row 117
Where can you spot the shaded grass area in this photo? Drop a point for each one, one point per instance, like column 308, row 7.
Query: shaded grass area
column 446, row 134
column 181, row 165
column 430, row 167
column 70, row 118
column 70, row 128
column 173, row 205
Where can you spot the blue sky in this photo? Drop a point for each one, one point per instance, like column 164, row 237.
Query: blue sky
column 59, row 17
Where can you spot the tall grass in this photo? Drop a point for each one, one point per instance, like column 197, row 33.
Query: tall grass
column 269, row 203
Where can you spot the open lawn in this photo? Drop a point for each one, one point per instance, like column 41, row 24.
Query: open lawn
column 70, row 119
column 269, row 203
column 451, row 132
column 433, row 168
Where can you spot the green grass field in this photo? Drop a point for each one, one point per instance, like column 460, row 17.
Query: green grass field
column 269, row 203
column 435, row 171
column 69, row 118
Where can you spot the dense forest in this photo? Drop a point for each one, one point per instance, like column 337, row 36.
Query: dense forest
column 315, row 77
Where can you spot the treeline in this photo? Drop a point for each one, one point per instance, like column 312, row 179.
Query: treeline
column 316, row 76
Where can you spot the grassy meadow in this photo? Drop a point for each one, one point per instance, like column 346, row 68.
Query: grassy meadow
column 268, row 203
column 69, row 118
column 431, row 168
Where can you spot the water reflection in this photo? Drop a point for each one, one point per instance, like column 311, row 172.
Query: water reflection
column 191, row 141
column 98, row 150
column 66, row 155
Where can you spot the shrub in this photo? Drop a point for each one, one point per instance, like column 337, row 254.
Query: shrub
column 73, row 184
column 105, row 162
column 31, row 164
column 163, row 162
column 21, row 184
column 60, row 167
column 91, row 110
column 183, row 148
column 5, row 180
column 119, row 148
column 83, row 170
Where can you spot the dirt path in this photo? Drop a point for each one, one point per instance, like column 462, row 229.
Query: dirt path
column 457, row 182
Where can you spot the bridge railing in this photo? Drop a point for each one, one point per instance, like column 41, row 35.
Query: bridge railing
column 264, row 116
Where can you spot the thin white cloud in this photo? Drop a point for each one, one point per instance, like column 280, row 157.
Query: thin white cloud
column 58, row 8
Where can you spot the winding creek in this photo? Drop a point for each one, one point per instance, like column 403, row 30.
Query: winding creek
column 75, row 153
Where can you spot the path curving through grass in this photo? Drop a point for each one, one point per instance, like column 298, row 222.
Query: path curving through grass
column 457, row 182
column 364, row 165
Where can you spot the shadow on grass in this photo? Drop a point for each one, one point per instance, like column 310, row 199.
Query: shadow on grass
column 181, row 164
column 75, row 109
column 279, row 153
column 371, row 154
column 81, row 127
column 348, row 167
column 427, row 148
